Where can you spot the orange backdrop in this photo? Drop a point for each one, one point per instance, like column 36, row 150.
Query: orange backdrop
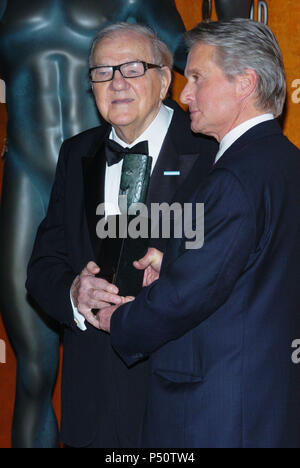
column 285, row 22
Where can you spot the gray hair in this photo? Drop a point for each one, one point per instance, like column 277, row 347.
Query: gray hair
column 242, row 44
column 161, row 54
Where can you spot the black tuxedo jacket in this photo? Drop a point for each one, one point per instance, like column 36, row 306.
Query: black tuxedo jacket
column 102, row 400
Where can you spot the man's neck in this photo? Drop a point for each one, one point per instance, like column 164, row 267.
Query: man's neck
column 154, row 133
column 130, row 134
column 239, row 130
column 246, row 112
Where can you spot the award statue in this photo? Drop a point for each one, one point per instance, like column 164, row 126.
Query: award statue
column 119, row 252
column 262, row 12
column 229, row 9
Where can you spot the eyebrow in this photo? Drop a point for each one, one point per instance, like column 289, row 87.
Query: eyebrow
column 127, row 61
column 193, row 71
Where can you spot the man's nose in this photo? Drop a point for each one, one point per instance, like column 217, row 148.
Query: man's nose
column 118, row 82
column 185, row 96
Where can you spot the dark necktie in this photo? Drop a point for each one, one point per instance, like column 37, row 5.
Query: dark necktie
column 115, row 152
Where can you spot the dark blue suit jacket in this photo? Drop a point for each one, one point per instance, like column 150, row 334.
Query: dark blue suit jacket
column 220, row 321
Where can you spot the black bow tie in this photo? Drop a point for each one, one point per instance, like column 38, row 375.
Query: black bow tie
column 115, row 152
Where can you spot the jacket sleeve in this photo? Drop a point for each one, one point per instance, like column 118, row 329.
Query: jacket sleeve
column 50, row 275
column 193, row 283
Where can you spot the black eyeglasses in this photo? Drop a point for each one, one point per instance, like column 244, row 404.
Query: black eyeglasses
column 127, row 70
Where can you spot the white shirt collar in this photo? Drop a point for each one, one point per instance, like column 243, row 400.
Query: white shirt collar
column 238, row 131
column 155, row 133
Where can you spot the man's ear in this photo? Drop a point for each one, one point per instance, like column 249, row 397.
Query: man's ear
column 246, row 83
column 166, row 79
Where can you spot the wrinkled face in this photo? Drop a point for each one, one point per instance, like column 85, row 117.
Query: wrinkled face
column 211, row 97
column 129, row 104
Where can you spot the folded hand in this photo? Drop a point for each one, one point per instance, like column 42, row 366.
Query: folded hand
column 151, row 263
column 89, row 292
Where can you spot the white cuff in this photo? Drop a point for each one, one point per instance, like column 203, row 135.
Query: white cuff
column 78, row 318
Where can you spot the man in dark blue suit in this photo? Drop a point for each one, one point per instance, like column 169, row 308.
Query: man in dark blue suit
column 220, row 321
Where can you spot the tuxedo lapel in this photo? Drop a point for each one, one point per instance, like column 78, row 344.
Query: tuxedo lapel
column 94, row 167
column 169, row 173
column 180, row 152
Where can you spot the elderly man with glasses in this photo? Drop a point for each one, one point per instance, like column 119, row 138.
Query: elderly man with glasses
column 71, row 270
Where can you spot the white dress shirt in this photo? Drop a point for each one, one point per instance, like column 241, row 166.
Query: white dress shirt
column 238, row 131
column 155, row 134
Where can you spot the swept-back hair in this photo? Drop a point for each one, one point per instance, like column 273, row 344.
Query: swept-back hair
column 241, row 44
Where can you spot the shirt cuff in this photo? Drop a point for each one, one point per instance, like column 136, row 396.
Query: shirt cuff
column 78, row 318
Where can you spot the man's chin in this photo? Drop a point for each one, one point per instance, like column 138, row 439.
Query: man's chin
column 199, row 127
column 196, row 128
column 121, row 120
column 121, row 123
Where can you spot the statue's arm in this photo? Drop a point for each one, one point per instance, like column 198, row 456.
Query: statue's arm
column 3, row 5
column 3, row 144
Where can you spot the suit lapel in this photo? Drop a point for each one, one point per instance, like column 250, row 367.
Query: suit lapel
column 262, row 130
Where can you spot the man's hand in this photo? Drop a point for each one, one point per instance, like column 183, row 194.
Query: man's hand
column 151, row 263
column 104, row 315
column 89, row 292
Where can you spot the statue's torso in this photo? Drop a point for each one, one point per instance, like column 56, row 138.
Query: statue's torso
column 44, row 49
